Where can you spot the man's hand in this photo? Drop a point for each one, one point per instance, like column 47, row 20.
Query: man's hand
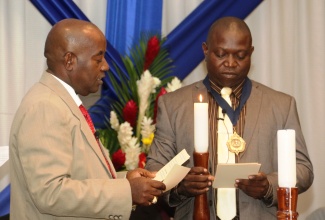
column 143, row 188
column 255, row 186
column 139, row 172
column 196, row 182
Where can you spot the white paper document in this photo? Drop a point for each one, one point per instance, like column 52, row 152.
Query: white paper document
column 172, row 173
column 176, row 174
column 226, row 174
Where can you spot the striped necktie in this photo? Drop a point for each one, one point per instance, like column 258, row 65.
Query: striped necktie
column 92, row 128
column 226, row 200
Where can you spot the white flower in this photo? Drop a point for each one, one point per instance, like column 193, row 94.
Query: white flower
column 156, row 82
column 114, row 121
column 146, row 85
column 174, row 85
column 147, row 128
column 124, row 135
column 132, row 154
column 133, row 143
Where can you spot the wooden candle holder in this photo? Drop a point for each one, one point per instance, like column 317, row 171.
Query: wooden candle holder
column 201, row 208
column 287, row 203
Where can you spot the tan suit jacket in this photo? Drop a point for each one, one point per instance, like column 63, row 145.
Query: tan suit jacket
column 57, row 168
column 266, row 112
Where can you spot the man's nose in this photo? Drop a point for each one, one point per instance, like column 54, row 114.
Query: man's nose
column 105, row 66
column 231, row 61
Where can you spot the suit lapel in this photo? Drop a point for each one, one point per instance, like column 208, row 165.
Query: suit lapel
column 253, row 108
column 58, row 88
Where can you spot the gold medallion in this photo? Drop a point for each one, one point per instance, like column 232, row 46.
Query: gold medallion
column 236, row 144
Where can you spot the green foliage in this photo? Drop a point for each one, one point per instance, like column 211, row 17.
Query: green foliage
column 126, row 86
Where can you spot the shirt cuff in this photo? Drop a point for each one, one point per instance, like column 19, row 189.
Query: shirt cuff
column 268, row 197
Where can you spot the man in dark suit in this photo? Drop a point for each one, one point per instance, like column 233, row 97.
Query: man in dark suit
column 58, row 167
column 261, row 111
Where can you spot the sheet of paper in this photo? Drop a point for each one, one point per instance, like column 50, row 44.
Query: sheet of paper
column 179, row 159
column 226, row 174
column 176, row 174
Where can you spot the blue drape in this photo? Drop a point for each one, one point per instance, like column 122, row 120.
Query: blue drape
column 5, row 201
column 126, row 20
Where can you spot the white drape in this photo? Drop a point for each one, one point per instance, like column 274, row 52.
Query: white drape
column 289, row 56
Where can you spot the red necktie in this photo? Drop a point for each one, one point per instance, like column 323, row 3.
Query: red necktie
column 92, row 128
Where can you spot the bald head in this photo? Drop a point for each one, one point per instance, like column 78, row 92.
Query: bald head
column 68, row 35
column 75, row 53
column 228, row 51
column 231, row 24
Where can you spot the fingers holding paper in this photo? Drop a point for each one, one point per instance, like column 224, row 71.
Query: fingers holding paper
column 144, row 190
column 255, row 186
column 196, row 182
column 139, row 172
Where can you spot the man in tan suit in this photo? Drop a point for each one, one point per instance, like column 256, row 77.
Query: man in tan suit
column 59, row 169
column 261, row 112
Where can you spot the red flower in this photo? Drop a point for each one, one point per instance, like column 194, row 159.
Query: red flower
column 142, row 160
column 161, row 92
column 118, row 159
column 130, row 112
column 152, row 51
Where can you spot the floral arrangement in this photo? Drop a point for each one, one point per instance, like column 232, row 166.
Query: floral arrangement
column 130, row 129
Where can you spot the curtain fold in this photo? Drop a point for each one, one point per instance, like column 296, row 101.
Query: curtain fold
column 55, row 11
column 128, row 20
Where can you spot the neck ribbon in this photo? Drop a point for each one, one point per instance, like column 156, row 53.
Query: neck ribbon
column 232, row 114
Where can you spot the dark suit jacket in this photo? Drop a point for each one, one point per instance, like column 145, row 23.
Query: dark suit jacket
column 266, row 112
column 57, row 168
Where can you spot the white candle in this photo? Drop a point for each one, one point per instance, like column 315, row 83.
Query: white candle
column 201, row 127
column 287, row 158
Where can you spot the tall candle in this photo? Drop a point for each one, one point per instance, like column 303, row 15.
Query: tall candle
column 287, row 158
column 201, row 127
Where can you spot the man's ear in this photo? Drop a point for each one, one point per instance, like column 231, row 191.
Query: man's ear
column 251, row 50
column 69, row 60
column 205, row 49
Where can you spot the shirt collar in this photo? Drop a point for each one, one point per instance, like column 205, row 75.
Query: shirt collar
column 70, row 90
column 236, row 90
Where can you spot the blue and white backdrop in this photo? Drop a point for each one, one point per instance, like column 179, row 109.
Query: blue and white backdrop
column 289, row 56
